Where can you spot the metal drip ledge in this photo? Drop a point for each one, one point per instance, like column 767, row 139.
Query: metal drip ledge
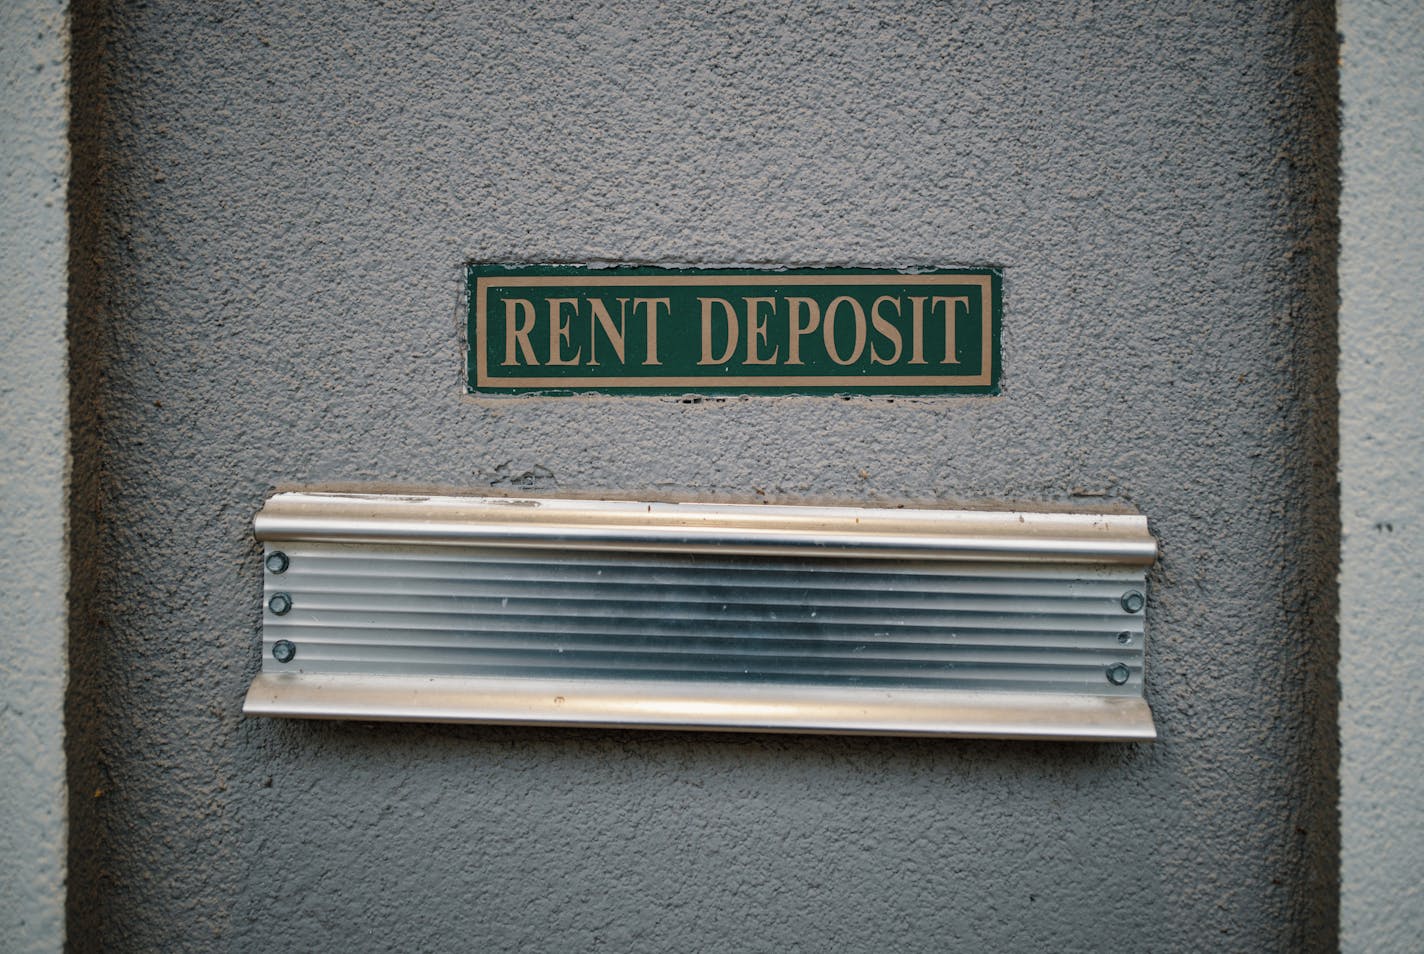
column 694, row 527
column 1003, row 715
column 704, row 616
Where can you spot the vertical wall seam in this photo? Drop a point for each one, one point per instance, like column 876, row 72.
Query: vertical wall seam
column 88, row 198
column 1314, row 553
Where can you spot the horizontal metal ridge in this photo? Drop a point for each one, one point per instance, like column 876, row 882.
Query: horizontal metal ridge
column 688, row 610
column 512, row 578
column 620, row 633
column 454, row 561
column 694, row 527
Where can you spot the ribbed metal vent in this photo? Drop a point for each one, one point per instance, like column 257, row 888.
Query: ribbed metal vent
column 630, row 634
column 454, row 611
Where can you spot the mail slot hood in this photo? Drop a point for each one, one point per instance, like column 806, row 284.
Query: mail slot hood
column 989, row 623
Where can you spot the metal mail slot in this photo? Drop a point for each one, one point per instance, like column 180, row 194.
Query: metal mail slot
column 704, row 616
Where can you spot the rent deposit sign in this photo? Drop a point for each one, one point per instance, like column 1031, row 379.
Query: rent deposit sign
column 563, row 329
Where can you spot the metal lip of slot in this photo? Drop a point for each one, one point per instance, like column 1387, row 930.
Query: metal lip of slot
column 1116, row 539
column 731, row 708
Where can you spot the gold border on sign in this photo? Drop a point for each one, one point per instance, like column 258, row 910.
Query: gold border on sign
column 983, row 282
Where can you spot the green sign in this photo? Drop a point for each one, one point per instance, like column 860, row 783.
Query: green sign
column 563, row 329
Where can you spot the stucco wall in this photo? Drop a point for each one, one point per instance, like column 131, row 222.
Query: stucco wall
column 1382, row 494
column 34, row 251
column 281, row 198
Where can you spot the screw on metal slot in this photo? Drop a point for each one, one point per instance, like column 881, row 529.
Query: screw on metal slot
column 280, row 603
column 277, row 562
column 1133, row 601
column 284, row 650
column 1124, row 638
column 1118, row 673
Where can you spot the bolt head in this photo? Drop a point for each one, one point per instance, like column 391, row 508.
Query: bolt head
column 1132, row 601
column 1118, row 674
column 277, row 562
column 284, row 650
column 280, row 603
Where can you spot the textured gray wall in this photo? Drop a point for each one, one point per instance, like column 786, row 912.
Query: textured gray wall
column 269, row 273
column 1382, row 493
column 34, row 251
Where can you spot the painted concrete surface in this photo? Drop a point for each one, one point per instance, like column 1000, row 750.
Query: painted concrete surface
column 282, row 198
column 1382, row 495
column 34, row 251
